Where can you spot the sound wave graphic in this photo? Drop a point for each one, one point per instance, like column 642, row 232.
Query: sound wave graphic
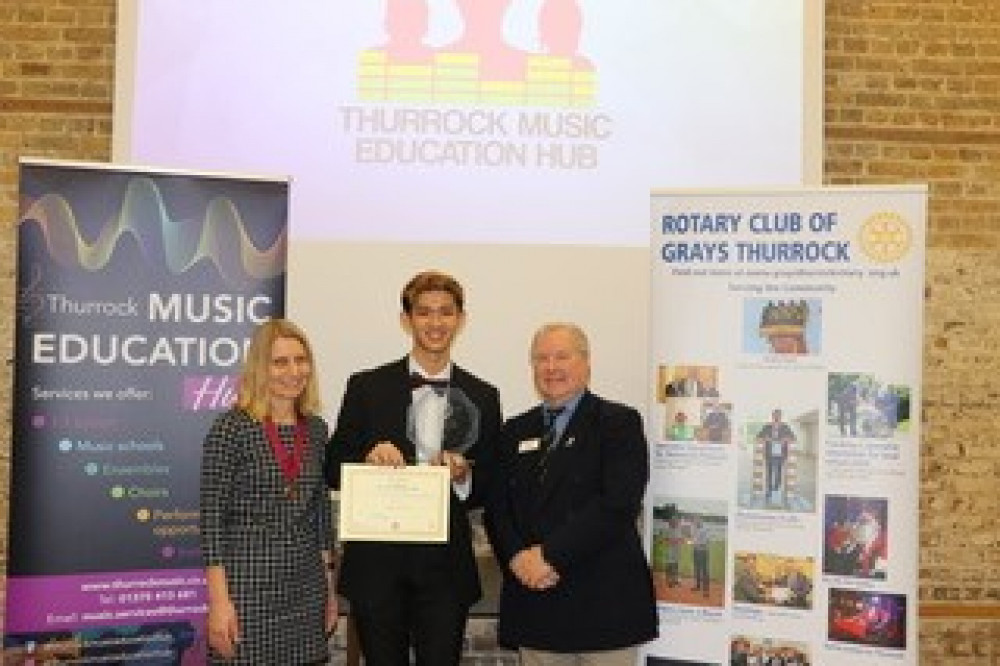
column 221, row 238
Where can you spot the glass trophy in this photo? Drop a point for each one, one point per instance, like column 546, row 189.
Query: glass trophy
column 442, row 420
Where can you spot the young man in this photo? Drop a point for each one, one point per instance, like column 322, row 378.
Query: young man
column 570, row 479
column 419, row 409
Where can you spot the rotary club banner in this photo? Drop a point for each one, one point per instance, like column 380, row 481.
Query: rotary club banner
column 137, row 295
column 786, row 339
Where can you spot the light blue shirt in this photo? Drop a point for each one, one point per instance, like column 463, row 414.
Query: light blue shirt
column 567, row 413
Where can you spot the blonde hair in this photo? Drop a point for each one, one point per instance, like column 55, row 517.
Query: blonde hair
column 254, row 396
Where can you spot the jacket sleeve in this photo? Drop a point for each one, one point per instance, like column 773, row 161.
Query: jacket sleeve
column 499, row 515
column 219, row 465
column 324, row 516
column 484, row 454
column 348, row 441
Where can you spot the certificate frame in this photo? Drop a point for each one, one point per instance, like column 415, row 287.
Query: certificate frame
column 408, row 504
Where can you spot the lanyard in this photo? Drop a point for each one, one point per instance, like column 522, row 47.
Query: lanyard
column 290, row 462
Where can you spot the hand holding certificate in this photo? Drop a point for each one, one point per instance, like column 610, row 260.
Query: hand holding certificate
column 402, row 504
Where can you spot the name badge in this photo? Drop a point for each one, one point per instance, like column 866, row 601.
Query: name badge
column 528, row 445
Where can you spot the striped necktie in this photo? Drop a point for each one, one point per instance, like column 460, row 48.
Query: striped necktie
column 549, row 418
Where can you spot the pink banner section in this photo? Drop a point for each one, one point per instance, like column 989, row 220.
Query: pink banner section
column 208, row 392
column 92, row 600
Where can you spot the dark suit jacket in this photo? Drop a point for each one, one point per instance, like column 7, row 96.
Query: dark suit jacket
column 781, row 432
column 584, row 513
column 374, row 409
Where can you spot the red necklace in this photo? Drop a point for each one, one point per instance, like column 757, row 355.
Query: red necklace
column 290, row 462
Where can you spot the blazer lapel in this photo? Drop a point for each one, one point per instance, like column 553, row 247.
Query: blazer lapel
column 401, row 395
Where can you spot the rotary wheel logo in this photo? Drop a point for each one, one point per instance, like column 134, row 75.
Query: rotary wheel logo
column 885, row 237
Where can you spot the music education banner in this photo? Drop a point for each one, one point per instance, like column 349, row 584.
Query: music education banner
column 784, row 421
column 137, row 294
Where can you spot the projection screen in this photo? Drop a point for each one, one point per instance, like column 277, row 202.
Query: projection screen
column 512, row 143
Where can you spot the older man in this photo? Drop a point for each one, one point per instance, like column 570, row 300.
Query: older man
column 577, row 588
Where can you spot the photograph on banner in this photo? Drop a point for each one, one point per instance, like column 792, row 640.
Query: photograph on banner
column 777, row 460
column 867, row 617
column 697, row 420
column 864, row 405
column 782, row 327
column 683, row 419
column 754, row 650
column 769, row 579
column 688, row 381
column 856, row 536
column 690, row 547
column 716, row 422
column 693, row 411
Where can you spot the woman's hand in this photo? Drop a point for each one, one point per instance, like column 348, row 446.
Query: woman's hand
column 223, row 628
column 332, row 610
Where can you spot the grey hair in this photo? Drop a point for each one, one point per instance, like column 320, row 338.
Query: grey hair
column 579, row 337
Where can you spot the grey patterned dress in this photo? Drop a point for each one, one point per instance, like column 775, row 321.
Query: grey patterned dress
column 268, row 544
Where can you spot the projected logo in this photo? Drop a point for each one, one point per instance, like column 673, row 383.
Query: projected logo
column 220, row 238
column 480, row 66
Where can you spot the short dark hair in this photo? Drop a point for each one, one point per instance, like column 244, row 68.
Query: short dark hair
column 431, row 281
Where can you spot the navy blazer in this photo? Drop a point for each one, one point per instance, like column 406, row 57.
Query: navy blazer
column 583, row 510
column 374, row 408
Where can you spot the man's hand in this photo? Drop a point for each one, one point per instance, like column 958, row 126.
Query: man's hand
column 457, row 463
column 533, row 570
column 385, row 453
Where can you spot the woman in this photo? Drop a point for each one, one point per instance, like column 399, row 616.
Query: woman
column 266, row 535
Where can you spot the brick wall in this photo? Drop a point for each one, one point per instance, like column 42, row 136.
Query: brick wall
column 56, row 76
column 912, row 95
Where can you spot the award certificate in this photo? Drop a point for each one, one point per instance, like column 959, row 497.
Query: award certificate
column 402, row 504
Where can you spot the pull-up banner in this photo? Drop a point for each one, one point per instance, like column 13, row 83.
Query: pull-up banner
column 137, row 295
column 786, row 339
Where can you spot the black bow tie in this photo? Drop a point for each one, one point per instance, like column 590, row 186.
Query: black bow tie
column 417, row 380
